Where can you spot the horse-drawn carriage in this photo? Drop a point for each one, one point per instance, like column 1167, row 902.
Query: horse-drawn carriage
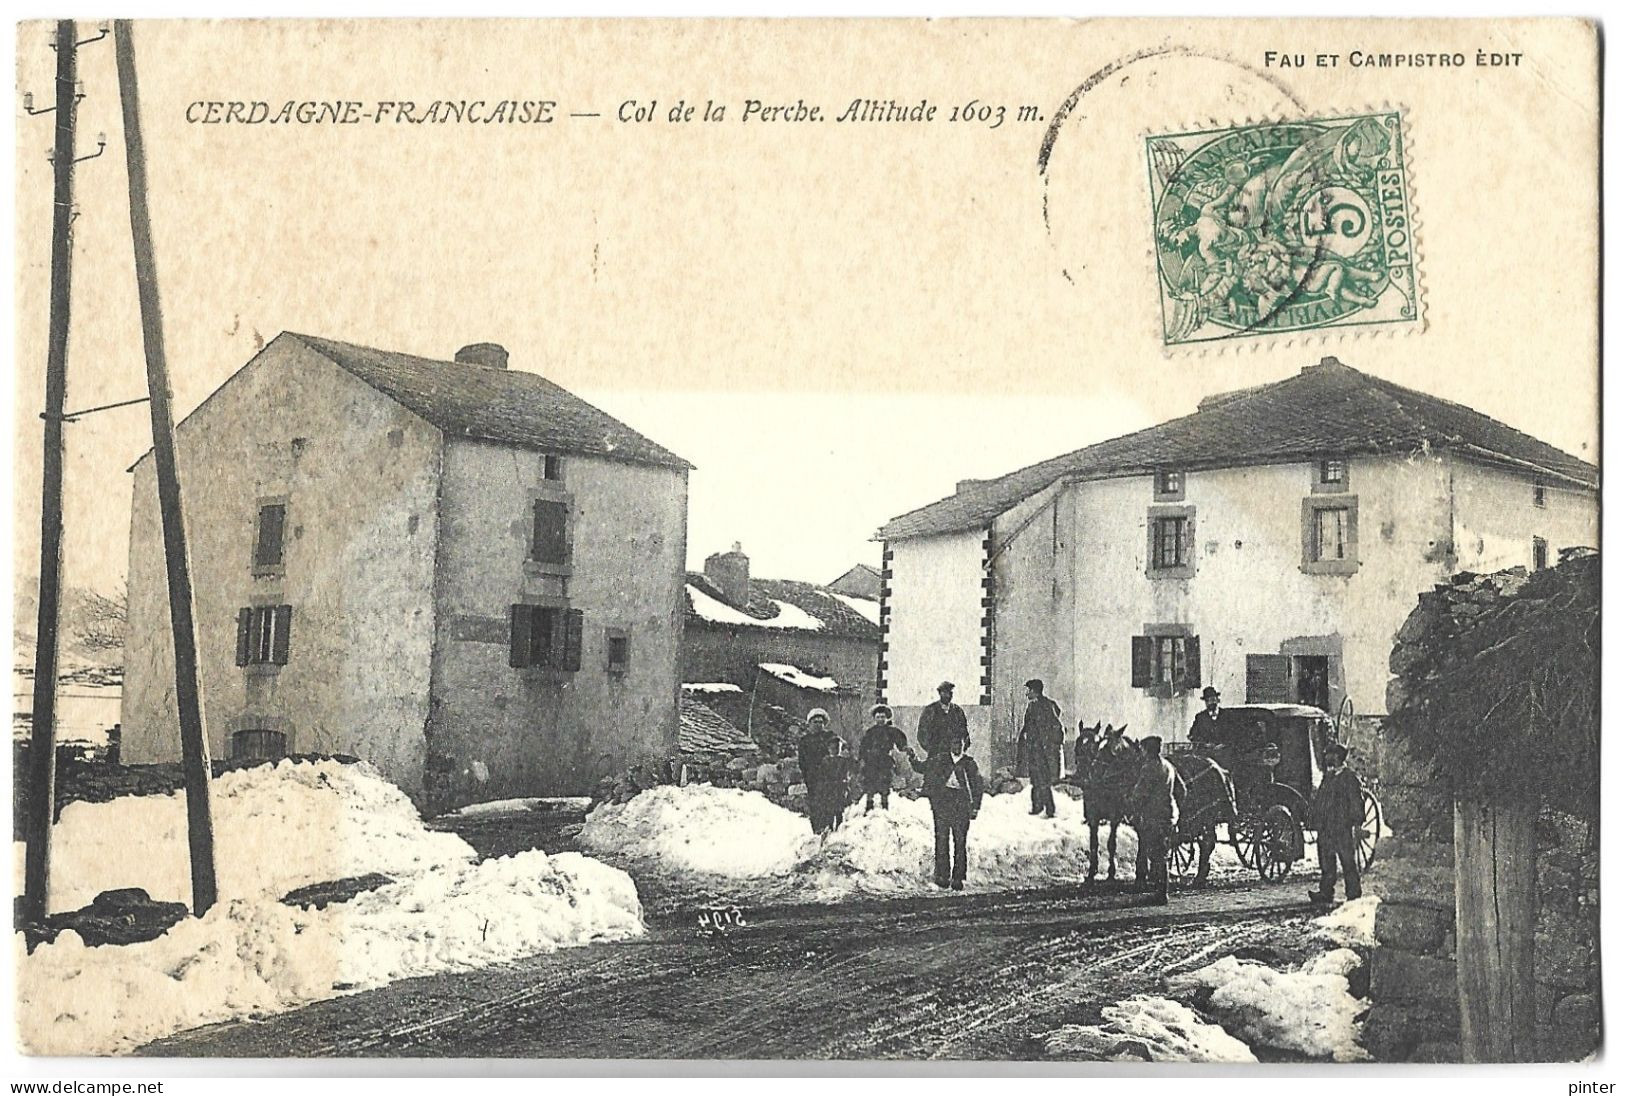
column 1256, row 774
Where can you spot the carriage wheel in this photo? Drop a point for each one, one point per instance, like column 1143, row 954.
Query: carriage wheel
column 1244, row 836
column 1370, row 831
column 1183, row 857
column 1278, row 839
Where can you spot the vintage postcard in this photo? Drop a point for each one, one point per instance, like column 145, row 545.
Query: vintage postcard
column 973, row 540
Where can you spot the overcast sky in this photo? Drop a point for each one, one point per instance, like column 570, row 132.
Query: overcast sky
column 833, row 323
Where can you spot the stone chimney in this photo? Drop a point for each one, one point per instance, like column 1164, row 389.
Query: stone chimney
column 490, row 355
column 729, row 572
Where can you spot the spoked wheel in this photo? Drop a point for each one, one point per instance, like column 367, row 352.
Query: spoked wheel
column 1244, row 836
column 1369, row 832
column 1183, row 857
column 1278, row 840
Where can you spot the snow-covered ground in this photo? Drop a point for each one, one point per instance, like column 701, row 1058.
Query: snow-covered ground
column 1147, row 1029
column 744, row 845
column 1308, row 1011
column 276, row 829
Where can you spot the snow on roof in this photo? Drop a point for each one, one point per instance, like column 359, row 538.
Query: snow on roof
column 720, row 612
column 801, row 679
column 868, row 610
column 711, row 687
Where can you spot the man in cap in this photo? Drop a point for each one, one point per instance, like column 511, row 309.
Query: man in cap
column 1336, row 811
column 943, row 723
column 1038, row 747
column 1158, row 795
column 875, row 757
column 1205, row 727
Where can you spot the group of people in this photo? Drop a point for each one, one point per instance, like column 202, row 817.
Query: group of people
column 954, row 787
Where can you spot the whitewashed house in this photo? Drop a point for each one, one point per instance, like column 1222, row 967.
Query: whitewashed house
column 460, row 572
column 1269, row 544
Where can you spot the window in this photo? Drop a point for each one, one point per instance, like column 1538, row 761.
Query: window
column 550, row 532
column 1166, row 663
column 1331, row 535
column 1333, row 472
column 1330, row 540
column 618, row 651
column 262, row 635
column 1168, row 543
column 268, row 536
column 1540, row 553
column 552, row 468
column 545, row 636
column 1170, row 485
column 1540, row 494
column 258, row 745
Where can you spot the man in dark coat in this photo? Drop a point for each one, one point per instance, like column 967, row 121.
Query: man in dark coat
column 1158, row 795
column 953, row 785
column 1038, row 746
column 1205, row 727
column 943, row 723
column 817, row 749
column 875, row 757
column 1336, row 811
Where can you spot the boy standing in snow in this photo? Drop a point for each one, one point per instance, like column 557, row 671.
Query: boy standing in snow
column 953, row 785
column 874, row 757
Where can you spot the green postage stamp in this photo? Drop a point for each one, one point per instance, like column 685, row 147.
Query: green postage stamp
column 1283, row 227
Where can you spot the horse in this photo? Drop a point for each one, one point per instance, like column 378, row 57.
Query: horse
column 1107, row 777
column 1210, row 798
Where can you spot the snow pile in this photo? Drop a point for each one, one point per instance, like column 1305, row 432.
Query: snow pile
column 276, row 828
column 250, row 958
column 1352, row 924
column 801, row 679
column 1309, row 1011
column 771, row 852
column 517, row 808
column 711, row 687
column 1147, row 1029
column 700, row 828
column 720, row 612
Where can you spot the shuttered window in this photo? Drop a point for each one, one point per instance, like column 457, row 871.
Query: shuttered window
column 1269, row 679
column 550, row 534
column 545, row 636
column 263, row 635
column 268, row 535
column 1166, row 664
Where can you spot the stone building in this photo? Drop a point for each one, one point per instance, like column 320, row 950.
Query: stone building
column 785, row 646
column 457, row 571
column 1269, row 544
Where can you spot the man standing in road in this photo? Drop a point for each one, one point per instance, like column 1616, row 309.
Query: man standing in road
column 942, row 724
column 1038, row 747
column 1205, row 727
column 1158, row 796
column 1337, row 809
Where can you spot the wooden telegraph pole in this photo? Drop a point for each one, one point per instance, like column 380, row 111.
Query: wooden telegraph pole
column 42, row 738
column 188, row 696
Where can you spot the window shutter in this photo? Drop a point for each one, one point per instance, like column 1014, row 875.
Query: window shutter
column 518, row 635
column 1193, row 662
column 573, row 629
column 244, row 618
column 1142, row 656
column 268, row 553
column 1269, row 679
column 279, row 634
column 550, row 542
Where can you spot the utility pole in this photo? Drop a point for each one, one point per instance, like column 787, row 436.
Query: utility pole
column 42, row 738
column 188, row 696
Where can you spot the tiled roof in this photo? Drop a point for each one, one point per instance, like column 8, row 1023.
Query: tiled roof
column 834, row 616
column 491, row 404
column 1328, row 409
column 700, row 730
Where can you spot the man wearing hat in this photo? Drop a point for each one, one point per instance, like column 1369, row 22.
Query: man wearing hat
column 1336, row 811
column 942, row 724
column 1158, row 796
column 875, row 757
column 1038, row 746
column 1205, row 727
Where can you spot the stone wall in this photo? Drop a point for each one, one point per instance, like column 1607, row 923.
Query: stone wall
column 1415, row 1014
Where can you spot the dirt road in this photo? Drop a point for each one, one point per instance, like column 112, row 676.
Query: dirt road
column 960, row 977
